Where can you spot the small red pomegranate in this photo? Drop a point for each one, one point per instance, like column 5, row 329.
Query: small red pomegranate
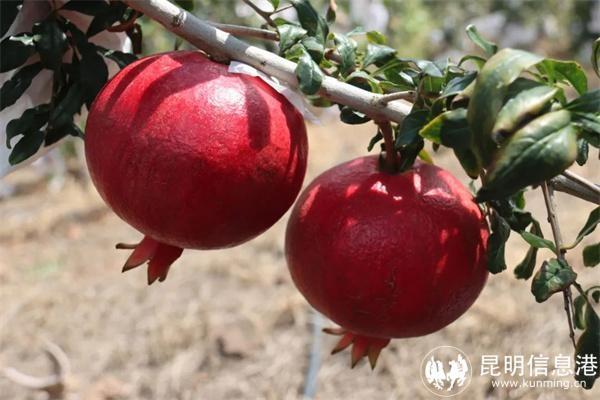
column 193, row 156
column 386, row 255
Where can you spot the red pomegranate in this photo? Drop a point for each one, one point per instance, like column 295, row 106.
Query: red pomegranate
column 386, row 255
column 193, row 156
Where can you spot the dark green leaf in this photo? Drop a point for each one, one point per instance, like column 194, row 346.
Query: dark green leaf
column 310, row 20
column 15, row 51
column 352, row 117
column 468, row 161
column 579, row 305
column 94, row 72
column 331, row 14
column 8, row 12
column 488, row 47
column 309, row 75
column 589, row 226
column 582, row 151
column 26, row 147
column 364, row 81
column 450, row 129
column 458, row 84
column 377, row 54
column 561, row 71
column 525, row 268
column 554, row 276
column 120, row 58
column 589, row 127
column 187, row 5
column 539, row 151
column 62, row 114
column 591, row 255
column 409, row 130
column 32, row 120
column 289, row 35
column 587, row 103
column 596, row 57
column 50, row 42
column 88, row 7
column 106, row 18
column 488, row 97
column 409, row 153
column 345, row 48
column 496, row 244
column 374, row 140
column 314, row 48
column 588, row 348
column 14, row 88
column 520, row 109
column 478, row 61
column 538, row 242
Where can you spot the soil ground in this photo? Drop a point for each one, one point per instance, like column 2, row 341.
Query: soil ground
column 229, row 324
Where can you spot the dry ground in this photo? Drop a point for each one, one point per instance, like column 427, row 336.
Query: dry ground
column 229, row 324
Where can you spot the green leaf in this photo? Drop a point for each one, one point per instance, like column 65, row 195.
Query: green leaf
column 525, row 268
column 87, row 7
column 538, row 242
column 488, row 47
column 289, row 35
column 364, row 81
column 15, row 51
column 579, row 305
column 591, row 255
column 554, row 276
column 589, row 226
column 14, row 88
column 120, row 58
column 314, row 48
column 468, row 161
column 50, row 42
column 539, row 151
column 93, row 70
column 187, row 5
column 588, row 346
column 488, row 97
column 331, row 14
column 408, row 131
column 596, row 57
column 478, row 61
column 458, row 84
column 374, row 140
column 587, row 103
column 32, row 119
column 8, row 13
column 26, row 147
column 376, row 37
column 450, row 129
column 345, row 47
column 582, row 151
column 378, row 54
column 310, row 76
column 62, row 113
column 275, row 4
column 564, row 71
column 523, row 107
column 315, row 25
column 497, row 243
column 589, row 127
column 106, row 18
column 352, row 117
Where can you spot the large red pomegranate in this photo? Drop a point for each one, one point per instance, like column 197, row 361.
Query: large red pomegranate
column 386, row 255
column 193, row 156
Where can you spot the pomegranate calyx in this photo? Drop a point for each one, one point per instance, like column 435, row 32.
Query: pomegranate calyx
column 362, row 346
column 159, row 256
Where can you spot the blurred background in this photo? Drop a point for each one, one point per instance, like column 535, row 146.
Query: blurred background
column 229, row 324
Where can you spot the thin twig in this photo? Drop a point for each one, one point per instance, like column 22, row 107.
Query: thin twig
column 213, row 40
column 391, row 157
column 246, row 31
column 553, row 220
column 286, row 7
column 404, row 95
column 265, row 14
column 570, row 184
column 583, row 182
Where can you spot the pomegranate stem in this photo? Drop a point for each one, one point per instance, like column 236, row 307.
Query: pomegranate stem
column 391, row 157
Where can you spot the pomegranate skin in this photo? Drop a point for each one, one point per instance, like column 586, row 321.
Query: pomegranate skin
column 194, row 156
column 387, row 256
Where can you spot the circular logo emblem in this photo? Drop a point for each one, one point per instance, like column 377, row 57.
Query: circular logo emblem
column 446, row 371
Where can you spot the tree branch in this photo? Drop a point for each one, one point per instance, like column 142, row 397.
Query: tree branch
column 265, row 14
column 571, row 183
column 246, row 31
column 553, row 220
column 217, row 42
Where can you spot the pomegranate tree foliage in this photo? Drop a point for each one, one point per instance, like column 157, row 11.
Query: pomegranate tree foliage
column 512, row 118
